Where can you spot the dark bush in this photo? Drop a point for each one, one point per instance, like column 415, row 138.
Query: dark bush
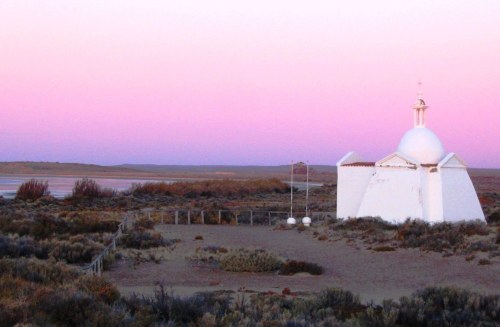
column 46, row 225
column 32, row 190
column 99, row 287
column 87, row 188
column 294, row 267
column 24, row 246
column 344, row 304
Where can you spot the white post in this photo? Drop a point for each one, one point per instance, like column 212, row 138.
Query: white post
column 291, row 194
column 307, row 186
column 269, row 215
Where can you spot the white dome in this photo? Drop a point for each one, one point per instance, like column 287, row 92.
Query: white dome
column 422, row 144
column 291, row 221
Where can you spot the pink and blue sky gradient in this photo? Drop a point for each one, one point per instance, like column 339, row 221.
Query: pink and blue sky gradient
column 244, row 82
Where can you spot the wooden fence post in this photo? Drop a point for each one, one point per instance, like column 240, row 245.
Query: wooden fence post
column 203, row 217
column 161, row 215
column 177, row 217
column 251, row 217
column 189, row 217
column 220, row 217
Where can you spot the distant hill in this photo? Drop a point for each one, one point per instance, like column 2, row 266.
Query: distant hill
column 317, row 172
column 56, row 168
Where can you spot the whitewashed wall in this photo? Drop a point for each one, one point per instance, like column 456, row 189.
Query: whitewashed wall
column 460, row 201
column 351, row 185
column 393, row 194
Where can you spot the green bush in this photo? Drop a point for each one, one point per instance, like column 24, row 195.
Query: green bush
column 250, row 261
column 32, row 190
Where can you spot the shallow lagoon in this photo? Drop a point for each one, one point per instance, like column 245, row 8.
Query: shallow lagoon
column 59, row 186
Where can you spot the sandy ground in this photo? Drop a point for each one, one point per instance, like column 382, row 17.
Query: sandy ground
column 373, row 275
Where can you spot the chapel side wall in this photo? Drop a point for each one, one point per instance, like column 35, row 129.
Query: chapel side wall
column 393, row 194
column 351, row 185
column 460, row 201
column 432, row 195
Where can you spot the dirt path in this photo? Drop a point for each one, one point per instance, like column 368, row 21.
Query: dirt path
column 373, row 275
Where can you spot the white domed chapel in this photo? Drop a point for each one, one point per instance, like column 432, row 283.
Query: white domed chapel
column 418, row 181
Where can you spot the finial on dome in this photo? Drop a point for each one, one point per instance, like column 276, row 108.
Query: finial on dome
column 419, row 108
column 420, row 89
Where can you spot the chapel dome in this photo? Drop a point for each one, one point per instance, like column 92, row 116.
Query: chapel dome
column 422, row 144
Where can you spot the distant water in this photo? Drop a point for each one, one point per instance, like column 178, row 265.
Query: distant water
column 59, row 187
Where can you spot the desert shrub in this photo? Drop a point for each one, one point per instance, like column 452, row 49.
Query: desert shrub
column 322, row 237
column 293, row 267
column 24, row 246
column 437, row 237
column 70, row 306
column 89, row 222
column 99, row 287
column 32, row 190
column 87, row 188
column 141, row 239
column 258, row 260
column 470, row 228
column 211, row 188
column 365, row 224
column 344, row 304
column 198, row 238
column 482, row 246
column 183, row 311
column 74, row 252
column 494, row 218
column 46, row 225
column 144, row 223
column 38, row 271
column 445, row 306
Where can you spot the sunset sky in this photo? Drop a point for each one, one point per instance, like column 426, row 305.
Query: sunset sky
column 244, row 82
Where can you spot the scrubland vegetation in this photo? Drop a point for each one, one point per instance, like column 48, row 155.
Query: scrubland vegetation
column 44, row 242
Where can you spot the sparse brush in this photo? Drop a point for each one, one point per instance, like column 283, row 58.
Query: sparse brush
column 32, row 190
column 211, row 188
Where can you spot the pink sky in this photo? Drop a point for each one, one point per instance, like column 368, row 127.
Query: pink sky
column 221, row 82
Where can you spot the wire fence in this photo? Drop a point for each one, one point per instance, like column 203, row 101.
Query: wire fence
column 200, row 216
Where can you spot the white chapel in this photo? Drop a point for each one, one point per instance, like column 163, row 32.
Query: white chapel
column 418, row 181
